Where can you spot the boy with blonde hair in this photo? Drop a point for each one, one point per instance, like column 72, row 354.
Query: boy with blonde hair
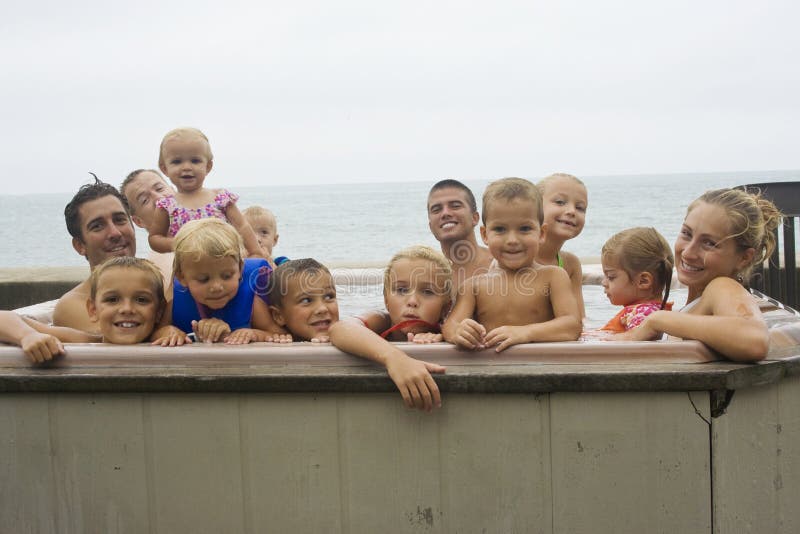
column 521, row 301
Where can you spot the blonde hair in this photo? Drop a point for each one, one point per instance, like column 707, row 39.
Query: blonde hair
column 509, row 189
column 183, row 132
column 544, row 182
column 258, row 211
column 206, row 237
column 753, row 220
column 642, row 250
column 129, row 262
column 421, row 252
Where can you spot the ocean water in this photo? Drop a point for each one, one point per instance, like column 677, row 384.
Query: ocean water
column 364, row 224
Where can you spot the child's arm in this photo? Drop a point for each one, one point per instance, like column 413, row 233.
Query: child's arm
column 158, row 233
column 732, row 325
column 39, row 341
column 460, row 327
column 412, row 377
column 249, row 237
column 573, row 267
column 264, row 327
column 564, row 326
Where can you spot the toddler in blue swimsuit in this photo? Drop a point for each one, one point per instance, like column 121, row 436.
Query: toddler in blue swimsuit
column 217, row 296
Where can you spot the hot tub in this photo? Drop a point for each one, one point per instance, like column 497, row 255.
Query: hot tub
column 552, row 437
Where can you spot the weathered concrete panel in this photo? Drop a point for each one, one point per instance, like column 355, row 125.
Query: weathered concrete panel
column 634, row 463
column 757, row 460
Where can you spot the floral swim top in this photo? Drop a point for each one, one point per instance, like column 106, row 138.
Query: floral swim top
column 633, row 315
column 178, row 215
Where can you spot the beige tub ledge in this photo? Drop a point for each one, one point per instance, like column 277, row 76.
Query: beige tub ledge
column 307, row 367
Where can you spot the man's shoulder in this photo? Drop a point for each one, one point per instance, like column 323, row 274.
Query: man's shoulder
column 71, row 305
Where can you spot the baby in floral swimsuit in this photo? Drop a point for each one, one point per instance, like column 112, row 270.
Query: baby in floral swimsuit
column 185, row 158
column 637, row 270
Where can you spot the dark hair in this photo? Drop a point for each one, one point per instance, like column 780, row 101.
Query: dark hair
column 279, row 279
column 449, row 183
column 86, row 193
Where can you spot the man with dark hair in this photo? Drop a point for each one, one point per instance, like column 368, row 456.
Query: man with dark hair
column 452, row 218
column 97, row 219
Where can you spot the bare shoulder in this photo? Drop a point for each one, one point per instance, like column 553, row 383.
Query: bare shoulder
column 725, row 296
column 550, row 273
column 375, row 320
column 572, row 264
column 70, row 309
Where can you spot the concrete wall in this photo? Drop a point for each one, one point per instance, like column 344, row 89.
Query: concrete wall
column 561, row 462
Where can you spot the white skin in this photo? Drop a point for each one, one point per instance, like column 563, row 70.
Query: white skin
column 727, row 318
column 564, row 204
column 186, row 161
column 142, row 193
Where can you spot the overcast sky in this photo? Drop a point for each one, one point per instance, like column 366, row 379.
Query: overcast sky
column 343, row 91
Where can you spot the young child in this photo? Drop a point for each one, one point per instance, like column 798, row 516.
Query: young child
column 417, row 291
column 216, row 294
column 302, row 299
column 637, row 269
column 564, row 199
column 725, row 233
column 265, row 226
column 185, row 158
column 126, row 301
column 141, row 189
column 520, row 301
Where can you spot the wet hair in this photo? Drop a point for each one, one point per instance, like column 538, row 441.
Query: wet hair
column 206, row 237
column 449, row 183
column 130, row 178
column 86, row 193
column 279, row 279
column 753, row 220
column 422, row 252
column 639, row 250
column 129, row 262
column 510, row 189
column 183, row 132
column 542, row 184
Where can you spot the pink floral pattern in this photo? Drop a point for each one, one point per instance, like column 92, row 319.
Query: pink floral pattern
column 633, row 315
column 178, row 215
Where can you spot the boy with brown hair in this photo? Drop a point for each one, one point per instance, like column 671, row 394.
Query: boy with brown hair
column 520, row 301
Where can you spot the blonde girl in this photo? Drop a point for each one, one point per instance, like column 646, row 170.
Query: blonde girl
column 216, row 296
column 185, row 158
column 417, row 292
column 725, row 233
column 564, row 201
column 126, row 300
column 637, row 272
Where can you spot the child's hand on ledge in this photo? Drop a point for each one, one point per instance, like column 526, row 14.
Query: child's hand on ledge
column 506, row 336
column 210, row 330
column 424, row 337
column 170, row 336
column 470, row 334
column 40, row 347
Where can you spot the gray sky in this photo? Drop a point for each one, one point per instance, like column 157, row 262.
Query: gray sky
column 321, row 91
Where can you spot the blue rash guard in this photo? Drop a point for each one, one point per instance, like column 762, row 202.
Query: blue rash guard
column 237, row 311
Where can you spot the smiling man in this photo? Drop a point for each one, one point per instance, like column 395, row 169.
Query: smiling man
column 452, row 218
column 101, row 228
